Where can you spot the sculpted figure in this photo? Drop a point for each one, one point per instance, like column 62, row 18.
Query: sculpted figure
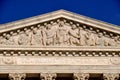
column 2, row 40
column 44, row 37
column 39, row 36
column 91, row 39
column 25, row 38
column 62, row 34
column 10, row 40
column 36, row 37
column 115, row 41
column 100, row 40
column 74, row 35
column 108, row 41
column 54, row 28
column 82, row 34
column 104, row 40
column 50, row 35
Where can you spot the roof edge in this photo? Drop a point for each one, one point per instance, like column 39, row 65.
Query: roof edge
column 60, row 13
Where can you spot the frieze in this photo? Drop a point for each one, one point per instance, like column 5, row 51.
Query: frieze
column 56, row 61
column 7, row 60
column 115, row 61
column 60, row 32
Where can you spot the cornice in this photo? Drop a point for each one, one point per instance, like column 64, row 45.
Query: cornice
column 59, row 14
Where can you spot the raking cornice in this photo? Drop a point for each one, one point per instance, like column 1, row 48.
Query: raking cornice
column 58, row 14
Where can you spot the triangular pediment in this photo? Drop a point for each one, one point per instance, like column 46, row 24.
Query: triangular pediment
column 59, row 28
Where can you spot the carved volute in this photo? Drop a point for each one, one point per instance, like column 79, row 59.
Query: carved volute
column 111, row 76
column 48, row 76
column 17, row 76
column 81, row 76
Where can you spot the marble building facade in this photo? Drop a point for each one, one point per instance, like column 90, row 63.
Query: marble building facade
column 60, row 45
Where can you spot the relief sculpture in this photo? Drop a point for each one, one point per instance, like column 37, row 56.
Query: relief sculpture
column 50, row 35
column 100, row 40
column 62, row 34
column 74, row 35
column 8, row 60
column 82, row 34
column 59, row 33
column 91, row 38
column 38, row 36
column 25, row 38
column 2, row 40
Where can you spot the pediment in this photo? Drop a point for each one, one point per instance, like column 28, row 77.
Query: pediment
column 59, row 28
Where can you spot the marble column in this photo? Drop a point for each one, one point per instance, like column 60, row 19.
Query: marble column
column 81, row 76
column 48, row 76
column 110, row 76
column 17, row 76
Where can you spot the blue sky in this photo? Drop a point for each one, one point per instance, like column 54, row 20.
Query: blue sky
column 104, row 10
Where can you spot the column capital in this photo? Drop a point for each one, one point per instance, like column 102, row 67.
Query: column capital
column 110, row 76
column 81, row 76
column 17, row 76
column 48, row 76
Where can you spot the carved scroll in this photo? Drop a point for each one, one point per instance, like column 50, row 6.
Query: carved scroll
column 17, row 76
column 81, row 76
column 110, row 76
column 48, row 76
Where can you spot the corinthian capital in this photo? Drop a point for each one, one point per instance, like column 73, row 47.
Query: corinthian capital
column 81, row 76
column 48, row 76
column 111, row 76
column 17, row 76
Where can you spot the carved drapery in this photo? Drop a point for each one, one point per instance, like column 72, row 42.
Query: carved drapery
column 17, row 76
column 59, row 33
column 110, row 76
column 48, row 76
column 81, row 76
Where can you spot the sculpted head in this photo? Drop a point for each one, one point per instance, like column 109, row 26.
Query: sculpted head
column 34, row 30
column 89, row 32
column 100, row 34
column 7, row 36
column 41, row 27
column 27, row 32
column 1, row 37
column 74, row 26
column 48, row 26
column 61, row 23
column 116, row 38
